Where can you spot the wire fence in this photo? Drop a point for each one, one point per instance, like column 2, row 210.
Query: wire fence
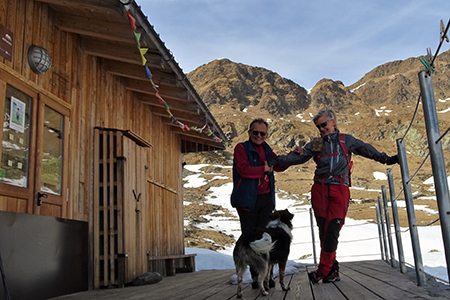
column 429, row 64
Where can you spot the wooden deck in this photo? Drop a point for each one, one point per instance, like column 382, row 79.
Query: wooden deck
column 359, row 280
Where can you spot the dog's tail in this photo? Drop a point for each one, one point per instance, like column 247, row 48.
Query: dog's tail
column 263, row 245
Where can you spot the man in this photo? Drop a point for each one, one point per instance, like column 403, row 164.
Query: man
column 330, row 193
column 253, row 193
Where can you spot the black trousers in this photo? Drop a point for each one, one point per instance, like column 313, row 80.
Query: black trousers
column 259, row 217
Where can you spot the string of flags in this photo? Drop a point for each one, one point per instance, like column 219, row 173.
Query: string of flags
column 149, row 75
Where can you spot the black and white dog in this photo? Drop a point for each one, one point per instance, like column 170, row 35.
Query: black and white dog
column 263, row 248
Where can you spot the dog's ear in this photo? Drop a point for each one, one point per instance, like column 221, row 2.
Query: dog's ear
column 288, row 214
column 291, row 216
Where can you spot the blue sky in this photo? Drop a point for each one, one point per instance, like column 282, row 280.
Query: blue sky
column 304, row 41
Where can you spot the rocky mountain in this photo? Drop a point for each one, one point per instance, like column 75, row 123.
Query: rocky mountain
column 378, row 106
column 223, row 82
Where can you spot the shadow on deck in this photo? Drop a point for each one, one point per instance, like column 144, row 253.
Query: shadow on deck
column 359, row 280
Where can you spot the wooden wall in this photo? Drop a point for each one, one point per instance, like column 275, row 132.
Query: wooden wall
column 96, row 98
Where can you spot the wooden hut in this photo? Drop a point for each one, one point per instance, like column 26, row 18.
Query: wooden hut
column 97, row 115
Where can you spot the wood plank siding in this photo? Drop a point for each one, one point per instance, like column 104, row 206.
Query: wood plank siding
column 97, row 80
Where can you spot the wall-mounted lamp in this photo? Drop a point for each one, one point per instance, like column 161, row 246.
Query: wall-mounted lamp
column 39, row 59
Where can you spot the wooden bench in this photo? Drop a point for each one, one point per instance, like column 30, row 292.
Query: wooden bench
column 185, row 263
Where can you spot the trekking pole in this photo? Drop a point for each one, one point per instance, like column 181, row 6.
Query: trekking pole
column 5, row 287
column 312, row 235
column 380, row 234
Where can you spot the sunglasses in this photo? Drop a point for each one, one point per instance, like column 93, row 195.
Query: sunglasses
column 324, row 124
column 262, row 133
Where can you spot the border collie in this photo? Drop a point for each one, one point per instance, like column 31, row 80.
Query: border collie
column 263, row 248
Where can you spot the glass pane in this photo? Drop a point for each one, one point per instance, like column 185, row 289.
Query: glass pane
column 52, row 152
column 16, row 138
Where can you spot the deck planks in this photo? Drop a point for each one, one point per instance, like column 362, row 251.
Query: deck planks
column 388, row 283
column 325, row 291
column 299, row 287
column 372, row 280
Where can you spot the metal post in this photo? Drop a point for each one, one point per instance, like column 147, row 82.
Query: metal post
column 311, row 219
column 388, row 226
column 411, row 213
column 379, row 224
column 398, row 233
column 386, row 255
column 437, row 160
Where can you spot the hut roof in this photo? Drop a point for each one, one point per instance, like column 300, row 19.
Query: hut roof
column 106, row 32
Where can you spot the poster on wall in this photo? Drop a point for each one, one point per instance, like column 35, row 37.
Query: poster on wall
column 17, row 115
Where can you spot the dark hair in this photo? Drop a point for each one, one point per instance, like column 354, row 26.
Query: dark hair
column 258, row 120
column 330, row 113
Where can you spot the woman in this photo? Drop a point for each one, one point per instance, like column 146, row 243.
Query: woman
column 330, row 192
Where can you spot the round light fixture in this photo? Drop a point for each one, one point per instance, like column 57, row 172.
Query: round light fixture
column 39, row 59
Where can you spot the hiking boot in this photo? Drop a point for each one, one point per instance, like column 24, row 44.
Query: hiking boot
column 271, row 283
column 332, row 276
column 316, row 276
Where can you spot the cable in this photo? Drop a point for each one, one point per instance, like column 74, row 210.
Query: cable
column 431, row 223
column 414, row 116
column 445, row 133
column 426, row 157
column 396, row 197
column 352, row 241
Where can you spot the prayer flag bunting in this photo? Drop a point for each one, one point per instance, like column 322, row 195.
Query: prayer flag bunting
column 137, row 37
column 147, row 72
column 149, row 75
column 132, row 21
column 143, row 51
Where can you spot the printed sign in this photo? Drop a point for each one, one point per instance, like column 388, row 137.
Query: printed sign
column 6, row 42
column 17, row 115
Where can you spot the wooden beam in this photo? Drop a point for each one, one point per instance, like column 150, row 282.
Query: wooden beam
column 133, row 71
column 93, row 6
column 145, row 87
column 175, row 106
column 194, row 136
column 120, row 52
column 188, row 118
column 112, row 31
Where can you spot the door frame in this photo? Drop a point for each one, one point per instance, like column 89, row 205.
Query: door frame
column 44, row 101
column 11, row 190
column 41, row 98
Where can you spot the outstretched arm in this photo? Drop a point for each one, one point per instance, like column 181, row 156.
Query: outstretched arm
column 369, row 151
column 298, row 156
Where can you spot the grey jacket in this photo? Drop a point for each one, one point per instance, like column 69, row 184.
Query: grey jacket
column 335, row 167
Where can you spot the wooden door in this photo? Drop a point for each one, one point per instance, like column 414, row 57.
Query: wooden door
column 33, row 165
column 135, row 208
column 120, row 207
column 17, row 166
column 51, row 189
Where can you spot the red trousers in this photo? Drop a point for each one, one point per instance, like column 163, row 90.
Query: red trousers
column 330, row 204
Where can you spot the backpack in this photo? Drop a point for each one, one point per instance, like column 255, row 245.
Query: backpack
column 344, row 147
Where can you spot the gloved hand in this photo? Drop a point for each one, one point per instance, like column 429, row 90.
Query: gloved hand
column 391, row 160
